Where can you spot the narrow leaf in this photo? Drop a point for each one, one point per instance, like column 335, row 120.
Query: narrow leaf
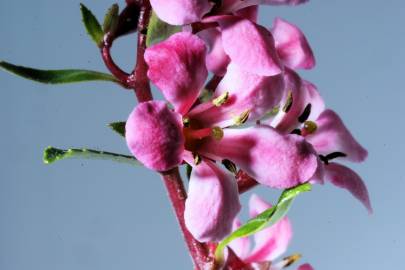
column 52, row 154
column 159, row 30
column 57, row 76
column 111, row 19
column 118, row 127
column 92, row 25
column 267, row 218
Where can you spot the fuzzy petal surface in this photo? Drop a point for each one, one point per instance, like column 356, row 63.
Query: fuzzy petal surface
column 271, row 242
column 292, row 46
column 343, row 177
column 305, row 266
column 217, row 60
column 333, row 136
column 154, row 135
column 212, row 203
column 180, row 12
column 273, row 159
column 177, row 68
column 238, row 37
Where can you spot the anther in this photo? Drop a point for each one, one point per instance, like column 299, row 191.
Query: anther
column 242, row 118
column 186, row 122
column 305, row 114
column 217, row 133
column 230, row 166
column 296, row 131
column 289, row 102
column 291, row 259
column 309, row 127
column 222, row 99
column 197, row 158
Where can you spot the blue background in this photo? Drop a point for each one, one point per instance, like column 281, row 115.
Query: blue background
column 100, row 215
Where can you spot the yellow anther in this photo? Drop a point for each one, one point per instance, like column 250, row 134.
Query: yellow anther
column 310, row 127
column 230, row 166
column 197, row 158
column 186, row 122
column 217, row 133
column 242, row 118
column 291, row 259
column 222, row 99
column 289, row 102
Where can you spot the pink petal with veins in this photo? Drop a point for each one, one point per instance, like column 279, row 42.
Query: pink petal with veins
column 343, row 177
column 292, row 46
column 154, row 135
column 177, row 68
column 212, row 203
column 180, row 12
column 217, row 60
column 273, row 159
column 333, row 136
column 250, row 46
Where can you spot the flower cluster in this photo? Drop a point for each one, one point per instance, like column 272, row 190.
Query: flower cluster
column 262, row 117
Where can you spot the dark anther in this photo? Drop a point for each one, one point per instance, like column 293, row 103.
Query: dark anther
column 289, row 102
column 230, row 166
column 305, row 114
column 296, row 131
column 331, row 156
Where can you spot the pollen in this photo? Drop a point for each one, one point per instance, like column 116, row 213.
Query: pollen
column 310, row 127
column 242, row 118
column 217, row 133
column 222, row 99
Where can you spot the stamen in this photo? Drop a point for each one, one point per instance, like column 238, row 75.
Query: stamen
column 335, row 155
column 242, row 118
column 222, row 99
column 296, row 131
column 186, row 122
column 230, row 166
column 289, row 102
column 197, row 158
column 305, row 114
column 309, row 128
column 291, row 259
column 217, row 133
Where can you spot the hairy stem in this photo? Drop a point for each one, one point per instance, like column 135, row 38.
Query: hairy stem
column 177, row 194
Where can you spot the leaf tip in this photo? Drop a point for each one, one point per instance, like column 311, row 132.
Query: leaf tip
column 118, row 127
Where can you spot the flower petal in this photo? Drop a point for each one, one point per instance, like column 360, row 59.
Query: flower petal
column 177, row 68
column 238, row 35
column 233, row 5
column 292, row 46
column 271, row 242
column 154, row 135
column 241, row 246
column 250, row 13
column 247, row 92
column 305, row 266
column 343, row 177
column 180, row 12
column 333, row 136
column 212, row 203
column 217, row 60
column 299, row 93
column 273, row 159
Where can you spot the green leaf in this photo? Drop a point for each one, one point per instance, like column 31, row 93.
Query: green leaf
column 111, row 19
column 159, row 30
column 52, row 154
column 57, row 76
column 92, row 25
column 118, row 127
column 267, row 218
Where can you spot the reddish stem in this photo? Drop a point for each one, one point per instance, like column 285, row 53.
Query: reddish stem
column 178, row 196
column 245, row 182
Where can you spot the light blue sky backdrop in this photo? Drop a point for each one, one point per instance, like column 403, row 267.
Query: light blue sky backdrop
column 78, row 215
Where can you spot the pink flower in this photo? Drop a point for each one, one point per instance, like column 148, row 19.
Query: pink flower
column 270, row 243
column 303, row 112
column 162, row 138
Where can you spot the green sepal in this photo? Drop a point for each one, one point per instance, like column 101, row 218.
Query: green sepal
column 267, row 218
column 158, row 30
column 111, row 19
column 118, row 127
column 92, row 25
column 57, row 76
column 52, row 154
